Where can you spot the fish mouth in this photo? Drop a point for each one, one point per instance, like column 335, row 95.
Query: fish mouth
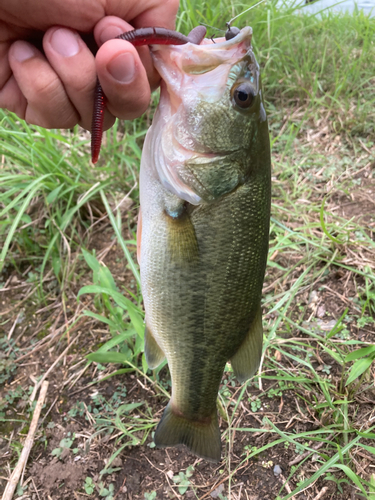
column 210, row 54
column 245, row 34
column 193, row 59
column 191, row 73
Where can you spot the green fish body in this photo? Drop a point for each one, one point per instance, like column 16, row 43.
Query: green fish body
column 203, row 236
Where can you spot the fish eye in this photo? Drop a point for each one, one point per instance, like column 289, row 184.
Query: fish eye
column 244, row 95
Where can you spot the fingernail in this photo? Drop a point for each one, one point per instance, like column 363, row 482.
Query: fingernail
column 110, row 32
column 65, row 42
column 122, row 67
column 23, row 51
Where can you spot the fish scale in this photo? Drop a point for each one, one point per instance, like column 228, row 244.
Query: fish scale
column 204, row 232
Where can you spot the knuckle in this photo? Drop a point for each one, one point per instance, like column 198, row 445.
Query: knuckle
column 133, row 108
column 79, row 79
column 45, row 89
column 83, row 86
column 47, row 120
column 17, row 107
column 12, row 99
column 49, row 106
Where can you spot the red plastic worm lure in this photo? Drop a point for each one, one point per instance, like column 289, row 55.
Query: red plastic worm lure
column 141, row 36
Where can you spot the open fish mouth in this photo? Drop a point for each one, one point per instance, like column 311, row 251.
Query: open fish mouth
column 195, row 76
column 212, row 53
column 178, row 64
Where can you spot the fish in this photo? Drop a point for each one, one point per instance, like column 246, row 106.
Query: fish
column 205, row 191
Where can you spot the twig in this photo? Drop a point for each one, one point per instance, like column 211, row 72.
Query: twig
column 287, row 487
column 222, row 481
column 366, row 148
column 13, row 481
column 43, row 343
column 79, row 376
column 121, row 489
column 3, row 313
column 171, row 487
column 344, row 299
column 49, row 409
column 13, row 326
column 321, row 493
column 307, row 453
column 32, row 397
column 32, row 480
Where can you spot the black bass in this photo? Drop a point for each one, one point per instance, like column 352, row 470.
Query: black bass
column 203, row 231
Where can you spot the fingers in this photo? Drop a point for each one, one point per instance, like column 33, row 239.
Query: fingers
column 110, row 27
column 123, row 71
column 10, row 94
column 74, row 66
column 42, row 93
column 55, row 89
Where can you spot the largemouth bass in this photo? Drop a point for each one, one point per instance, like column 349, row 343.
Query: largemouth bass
column 203, row 231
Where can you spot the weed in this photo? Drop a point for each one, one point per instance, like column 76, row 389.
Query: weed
column 255, row 405
column 124, row 318
column 363, row 358
column 8, row 352
column 64, row 447
column 272, row 393
column 319, row 293
column 89, row 486
column 150, row 496
column 182, row 480
column 106, row 492
column 17, row 397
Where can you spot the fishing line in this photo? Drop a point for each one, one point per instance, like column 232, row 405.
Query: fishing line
column 213, row 27
column 244, row 12
column 231, row 31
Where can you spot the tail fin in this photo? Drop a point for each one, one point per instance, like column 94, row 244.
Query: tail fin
column 202, row 439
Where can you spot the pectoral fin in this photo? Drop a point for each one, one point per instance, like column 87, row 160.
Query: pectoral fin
column 154, row 355
column 182, row 240
column 246, row 360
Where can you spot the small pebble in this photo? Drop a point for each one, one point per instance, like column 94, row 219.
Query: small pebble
column 277, row 470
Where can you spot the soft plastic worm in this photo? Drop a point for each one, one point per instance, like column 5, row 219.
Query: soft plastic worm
column 141, row 36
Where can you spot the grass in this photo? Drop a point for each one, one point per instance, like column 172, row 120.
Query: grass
column 310, row 409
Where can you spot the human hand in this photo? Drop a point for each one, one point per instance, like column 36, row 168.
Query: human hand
column 55, row 89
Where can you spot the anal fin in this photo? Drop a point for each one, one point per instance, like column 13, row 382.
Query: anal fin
column 154, row 355
column 246, row 360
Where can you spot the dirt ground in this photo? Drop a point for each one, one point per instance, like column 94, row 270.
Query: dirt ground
column 79, row 433
column 138, row 470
